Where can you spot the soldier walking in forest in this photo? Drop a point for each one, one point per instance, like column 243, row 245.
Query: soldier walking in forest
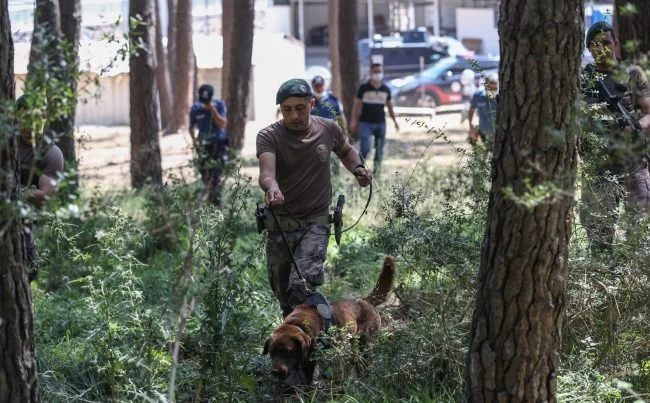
column 294, row 157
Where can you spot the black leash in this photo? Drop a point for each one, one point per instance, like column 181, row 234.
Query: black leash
column 293, row 258
column 365, row 209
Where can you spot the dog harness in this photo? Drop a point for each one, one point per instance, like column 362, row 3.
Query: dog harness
column 318, row 300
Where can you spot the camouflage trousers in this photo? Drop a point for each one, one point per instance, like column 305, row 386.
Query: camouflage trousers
column 601, row 199
column 309, row 246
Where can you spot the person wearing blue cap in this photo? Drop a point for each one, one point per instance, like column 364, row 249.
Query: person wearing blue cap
column 326, row 105
column 619, row 172
column 294, row 159
column 209, row 116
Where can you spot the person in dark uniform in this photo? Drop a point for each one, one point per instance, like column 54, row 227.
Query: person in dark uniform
column 613, row 156
column 209, row 116
column 41, row 165
column 326, row 105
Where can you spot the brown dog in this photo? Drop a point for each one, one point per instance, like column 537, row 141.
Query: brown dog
column 291, row 343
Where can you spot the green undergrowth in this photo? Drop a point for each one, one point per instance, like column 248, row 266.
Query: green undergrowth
column 143, row 292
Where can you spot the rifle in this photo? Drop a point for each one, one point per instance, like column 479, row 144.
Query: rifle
column 625, row 119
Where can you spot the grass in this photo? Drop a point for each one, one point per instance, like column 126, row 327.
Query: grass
column 115, row 279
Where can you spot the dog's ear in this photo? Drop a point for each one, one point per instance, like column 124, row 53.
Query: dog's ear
column 305, row 344
column 266, row 345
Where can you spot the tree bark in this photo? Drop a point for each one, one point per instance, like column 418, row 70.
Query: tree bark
column 145, row 148
column 183, row 70
column 348, row 54
column 18, row 380
column 333, row 38
column 45, row 37
column 70, row 12
column 227, row 21
column 171, row 36
column 517, row 321
column 52, row 67
column 162, row 75
column 633, row 28
column 240, row 59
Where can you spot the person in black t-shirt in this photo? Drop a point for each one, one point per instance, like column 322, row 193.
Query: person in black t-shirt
column 368, row 117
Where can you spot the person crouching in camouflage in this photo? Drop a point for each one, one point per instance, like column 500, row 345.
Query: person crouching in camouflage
column 40, row 162
column 612, row 150
column 294, row 158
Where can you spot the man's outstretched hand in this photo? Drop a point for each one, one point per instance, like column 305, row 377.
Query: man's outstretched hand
column 274, row 197
column 363, row 176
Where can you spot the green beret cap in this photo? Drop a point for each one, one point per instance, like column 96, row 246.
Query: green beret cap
column 597, row 28
column 296, row 87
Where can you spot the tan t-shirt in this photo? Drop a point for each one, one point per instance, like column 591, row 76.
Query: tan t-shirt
column 303, row 164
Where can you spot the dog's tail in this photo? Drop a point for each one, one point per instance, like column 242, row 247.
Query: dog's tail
column 384, row 285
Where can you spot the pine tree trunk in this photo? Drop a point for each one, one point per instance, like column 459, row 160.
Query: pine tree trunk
column 171, row 38
column 18, row 380
column 46, row 66
column 240, row 59
column 348, row 54
column 194, row 79
column 145, row 147
column 333, row 38
column 70, row 11
column 517, row 321
column 45, row 37
column 50, row 69
column 162, row 75
column 227, row 18
column 633, row 27
column 183, row 70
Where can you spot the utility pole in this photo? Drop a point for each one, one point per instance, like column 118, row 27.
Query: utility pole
column 371, row 20
column 301, row 21
column 436, row 18
column 207, row 19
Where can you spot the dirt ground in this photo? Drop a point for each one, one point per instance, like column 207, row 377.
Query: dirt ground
column 104, row 152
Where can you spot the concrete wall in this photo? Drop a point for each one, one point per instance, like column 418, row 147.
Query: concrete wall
column 106, row 105
column 478, row 23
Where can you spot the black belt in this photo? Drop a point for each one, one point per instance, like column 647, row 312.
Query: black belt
column 290, row 224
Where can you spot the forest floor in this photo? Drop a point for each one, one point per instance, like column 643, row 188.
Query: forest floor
column 104, row 152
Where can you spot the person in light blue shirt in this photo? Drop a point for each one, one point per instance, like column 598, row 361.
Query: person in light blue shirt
column 209, row 117
column 485, row 102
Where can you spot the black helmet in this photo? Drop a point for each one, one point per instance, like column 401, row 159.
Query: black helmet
column 205, row 93
column 317, row 80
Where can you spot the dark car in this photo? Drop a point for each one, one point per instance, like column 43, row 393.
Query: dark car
column 405, row 54
column 438, row 84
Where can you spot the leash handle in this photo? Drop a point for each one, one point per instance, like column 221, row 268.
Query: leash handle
column 293, row 258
